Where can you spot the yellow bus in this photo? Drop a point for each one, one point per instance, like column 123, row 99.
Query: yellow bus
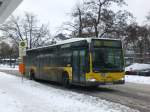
column 78, row 61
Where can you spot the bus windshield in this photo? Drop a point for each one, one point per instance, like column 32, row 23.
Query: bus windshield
column 107, row 59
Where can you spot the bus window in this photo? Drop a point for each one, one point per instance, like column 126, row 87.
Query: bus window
column 107, row 59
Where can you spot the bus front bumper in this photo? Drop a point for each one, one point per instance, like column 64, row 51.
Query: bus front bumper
column 96, row 83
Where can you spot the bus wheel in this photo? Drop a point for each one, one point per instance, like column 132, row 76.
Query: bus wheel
column 31, row 76
column 65, row 81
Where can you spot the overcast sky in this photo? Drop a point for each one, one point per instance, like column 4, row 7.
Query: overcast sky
column 55, row 12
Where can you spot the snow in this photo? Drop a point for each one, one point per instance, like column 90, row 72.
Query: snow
column 30, row 96
column 137, row 67
column 72, row 40
column 63, row 42
column 79, row 39
column 7, row 67
column 137, row 79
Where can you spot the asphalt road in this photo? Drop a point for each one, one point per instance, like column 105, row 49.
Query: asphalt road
column 136, row 96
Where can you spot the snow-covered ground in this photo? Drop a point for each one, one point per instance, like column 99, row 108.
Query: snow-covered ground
column 137, row 79
column 7, row 67
column 30, row 96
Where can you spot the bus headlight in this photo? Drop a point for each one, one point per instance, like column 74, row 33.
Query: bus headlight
column 123, row 79
column 91, row 80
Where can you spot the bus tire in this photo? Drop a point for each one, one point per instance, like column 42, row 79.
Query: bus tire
column 65, row 80
column 31, row 75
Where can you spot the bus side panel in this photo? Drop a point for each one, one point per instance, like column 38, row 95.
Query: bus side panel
column 53, row 73
column 30, row 62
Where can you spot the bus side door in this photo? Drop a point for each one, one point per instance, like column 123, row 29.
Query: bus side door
column 75, row 65
column 39, row 67
column 82, row 65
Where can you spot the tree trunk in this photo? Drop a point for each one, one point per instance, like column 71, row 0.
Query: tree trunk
column 96, row 31
column 80, row 23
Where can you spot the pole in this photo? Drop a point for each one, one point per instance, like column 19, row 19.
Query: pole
column 21, row 67
column 22, row 52
column 22, row 72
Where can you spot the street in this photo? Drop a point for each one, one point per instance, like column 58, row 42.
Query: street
column 136, row 96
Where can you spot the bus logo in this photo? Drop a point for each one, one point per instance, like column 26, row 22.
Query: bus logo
column 103, row 74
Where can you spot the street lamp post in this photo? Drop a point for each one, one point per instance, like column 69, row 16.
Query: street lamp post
column 140, row 41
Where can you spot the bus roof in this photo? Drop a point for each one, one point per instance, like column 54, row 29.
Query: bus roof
column 70, row 41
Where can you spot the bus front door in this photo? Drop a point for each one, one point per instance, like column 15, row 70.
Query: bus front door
column 79, row 66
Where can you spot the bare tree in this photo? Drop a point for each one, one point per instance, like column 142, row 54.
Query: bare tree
column 26, row 28
column 137, row 38
column 76, row 25
column 4, row 50
column 148, row 28
column 99, row 11
column 8, row 52
column 79, row 14
column 96, row 18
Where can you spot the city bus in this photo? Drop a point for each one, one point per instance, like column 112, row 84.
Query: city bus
column 78, row 61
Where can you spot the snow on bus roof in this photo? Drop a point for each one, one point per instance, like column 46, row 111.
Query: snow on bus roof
column 72, row 40
column 80, row 39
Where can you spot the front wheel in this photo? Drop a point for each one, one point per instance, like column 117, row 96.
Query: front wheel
column 65, row 81
column 31, row 76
